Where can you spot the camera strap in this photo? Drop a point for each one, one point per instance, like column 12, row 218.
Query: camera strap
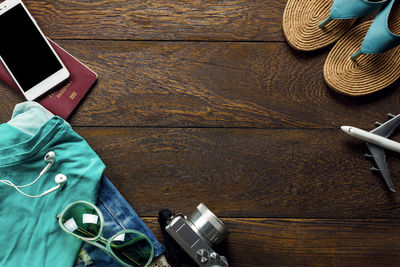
column 174, row 252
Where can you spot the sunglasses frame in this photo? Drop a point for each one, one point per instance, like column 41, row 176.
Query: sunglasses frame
column 99, row 240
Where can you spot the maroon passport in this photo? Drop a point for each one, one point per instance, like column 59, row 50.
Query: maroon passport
column 63, row 100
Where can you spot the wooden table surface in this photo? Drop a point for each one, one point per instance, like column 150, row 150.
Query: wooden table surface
column 203, row 101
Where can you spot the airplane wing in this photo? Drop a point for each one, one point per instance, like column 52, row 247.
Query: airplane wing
column 380, row 159
column 387, row 128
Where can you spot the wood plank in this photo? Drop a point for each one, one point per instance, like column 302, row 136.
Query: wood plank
column 160, row 20
column 198, row 84
column 245, row 172
column 305, row 242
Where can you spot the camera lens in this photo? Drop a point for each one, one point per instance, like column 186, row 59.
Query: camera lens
column 208, row 225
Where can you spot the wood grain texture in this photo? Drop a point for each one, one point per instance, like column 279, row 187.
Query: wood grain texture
column 242, row 123
column 203, row 84
column 160, row 20
column 304, row 242
column 245, row 172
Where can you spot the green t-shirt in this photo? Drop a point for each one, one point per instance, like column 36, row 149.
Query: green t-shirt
column 31, row 235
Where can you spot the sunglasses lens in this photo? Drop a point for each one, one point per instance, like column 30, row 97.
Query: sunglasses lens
column 134, row 249
column 82, row 220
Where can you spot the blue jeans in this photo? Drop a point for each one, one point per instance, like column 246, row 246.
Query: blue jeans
column 118, row 215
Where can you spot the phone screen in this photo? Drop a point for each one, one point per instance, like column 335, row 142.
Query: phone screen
column 24, row 50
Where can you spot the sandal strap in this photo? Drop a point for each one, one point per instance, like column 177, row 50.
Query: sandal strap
column 379, row 38
column 348, row 9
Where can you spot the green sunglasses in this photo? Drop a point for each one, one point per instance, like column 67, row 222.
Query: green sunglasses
column 85, row 221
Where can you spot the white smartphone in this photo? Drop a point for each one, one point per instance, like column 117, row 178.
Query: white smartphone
column 26, row 53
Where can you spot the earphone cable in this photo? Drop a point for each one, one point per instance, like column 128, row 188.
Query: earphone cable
column 8, row 182
column 19, row 190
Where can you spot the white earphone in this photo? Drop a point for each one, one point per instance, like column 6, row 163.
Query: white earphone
column 50, row 158
column 60, row 179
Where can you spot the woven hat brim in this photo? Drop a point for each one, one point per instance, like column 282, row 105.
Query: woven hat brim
column 300, row 24
column 366, row 75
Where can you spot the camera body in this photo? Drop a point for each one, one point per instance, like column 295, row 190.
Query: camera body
column 197, row 233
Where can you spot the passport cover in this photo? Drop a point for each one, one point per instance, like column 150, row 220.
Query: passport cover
column 63, row 100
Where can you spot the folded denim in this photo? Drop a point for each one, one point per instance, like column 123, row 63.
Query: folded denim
column 118, row 215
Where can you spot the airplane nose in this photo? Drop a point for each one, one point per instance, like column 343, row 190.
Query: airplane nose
column 346, row 129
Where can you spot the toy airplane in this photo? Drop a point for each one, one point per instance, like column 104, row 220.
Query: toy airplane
column 377, row 139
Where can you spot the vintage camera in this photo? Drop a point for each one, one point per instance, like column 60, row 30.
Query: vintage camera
column 197, row 233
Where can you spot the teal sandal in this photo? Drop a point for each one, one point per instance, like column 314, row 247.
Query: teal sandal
column 312, row 24
column 367, row 58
